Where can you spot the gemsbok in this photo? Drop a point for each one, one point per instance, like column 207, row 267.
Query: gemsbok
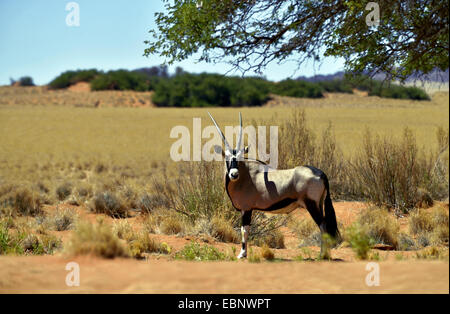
column 252, row 185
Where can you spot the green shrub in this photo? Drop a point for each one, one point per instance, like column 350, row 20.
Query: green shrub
column 121, row 80
column 294, row 88
column 68, row 78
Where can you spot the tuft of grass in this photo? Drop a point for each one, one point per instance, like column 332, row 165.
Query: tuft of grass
column 97, row 240
column 61, row 220
column 380, row 226
column 143, row 243
column 196, row 252
column 359, row 240
column 267, row 253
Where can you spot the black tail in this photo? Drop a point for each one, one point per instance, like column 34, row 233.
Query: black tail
column 330, row 215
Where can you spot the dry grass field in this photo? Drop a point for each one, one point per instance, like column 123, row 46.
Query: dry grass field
column 89, row 173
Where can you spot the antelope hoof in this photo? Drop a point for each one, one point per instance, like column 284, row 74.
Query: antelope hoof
column 242, row 254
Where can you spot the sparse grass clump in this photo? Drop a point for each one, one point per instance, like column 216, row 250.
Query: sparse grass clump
column 171, row 224
column 254, row 257
column 61, row 220
column 433, row 253
column 142, row 243
column 196, row 252
column 123, row 230
column 97, row 240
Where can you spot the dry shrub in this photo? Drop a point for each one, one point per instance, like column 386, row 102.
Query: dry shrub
column 222, row 229
column 61, row 220
column 267, row 253
column 299, row 145
column 110, row 204
column 26, row 202
column 431, row 227
column 63, row 191
column 97, row 240
column 420, row 221
column 380, row 226
column 274, row 240
column 393, row 173
column 171, row 224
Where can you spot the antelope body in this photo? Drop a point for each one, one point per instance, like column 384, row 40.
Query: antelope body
column 253, row 185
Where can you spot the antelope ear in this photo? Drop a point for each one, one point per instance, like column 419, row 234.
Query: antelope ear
column 218, row 149
column 246, row 149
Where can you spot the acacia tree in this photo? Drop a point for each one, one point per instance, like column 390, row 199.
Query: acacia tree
column 410, row 38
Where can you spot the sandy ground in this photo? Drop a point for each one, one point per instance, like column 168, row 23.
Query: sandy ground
column 161, row 274
column 44, row 274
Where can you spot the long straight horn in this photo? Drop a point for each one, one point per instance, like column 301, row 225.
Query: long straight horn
column 238, row 147
column 227, row 146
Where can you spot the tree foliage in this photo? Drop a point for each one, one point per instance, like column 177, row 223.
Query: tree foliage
column 411, row 38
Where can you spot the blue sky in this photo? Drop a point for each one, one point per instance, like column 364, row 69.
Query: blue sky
column 35, row 40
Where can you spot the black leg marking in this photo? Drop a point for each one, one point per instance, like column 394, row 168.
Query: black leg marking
column 314, row 211
column 246, row 217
